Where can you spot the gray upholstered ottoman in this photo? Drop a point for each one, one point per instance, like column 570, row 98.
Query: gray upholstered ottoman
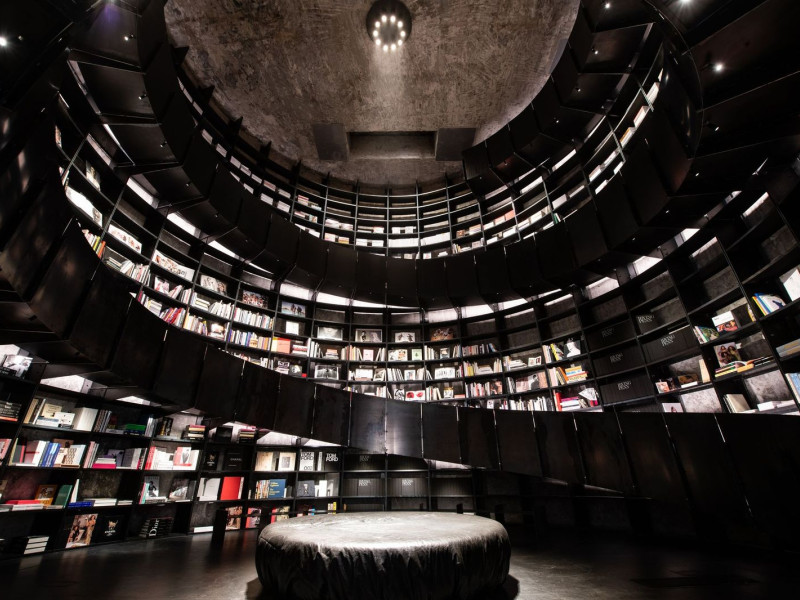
column 383, row 556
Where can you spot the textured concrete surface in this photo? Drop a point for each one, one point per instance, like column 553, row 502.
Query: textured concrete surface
column 283, row 65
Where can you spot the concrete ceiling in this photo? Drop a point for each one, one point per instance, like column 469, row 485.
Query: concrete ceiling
column 284, row 65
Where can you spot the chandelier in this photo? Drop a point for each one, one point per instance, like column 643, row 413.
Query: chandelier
column 389, row 24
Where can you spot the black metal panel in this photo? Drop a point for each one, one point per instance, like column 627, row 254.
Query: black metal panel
column 227, row 195
column 101, row 318
column 558, row 447
column 771, row 481
column 371, row 272
column 368, row 423
column 603, row 453
column 258, row 396
column 516, row 437
column 181, row 364
column 554, row 251
column 478, row 438
column 546, row 104
column 565, row 76
column 432, row 283
column 401, row 281
column 523, row 268
column 651, row 457
column 254, row 218
column 502, row 159
column 177, row 126
column 200, row 164
column 404, row 428
column 524, row 127
column 309, row 270
column 340, row 277
column 644, row 185
column 331, row 415
column 580, row 39
column 668, row 152
column 440, row 433
column 23, row 259
column 615, row 213
column 137, row 354
column 294, row 411
column 160, row 80
column 586, row 236
column 281, row 246
column 714, row 488
column 219, row 384
column 493, row 279
column 462, row 278
column 58, row 298
column 31, row 164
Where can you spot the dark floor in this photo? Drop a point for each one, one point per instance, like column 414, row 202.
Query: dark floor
column 563, row 567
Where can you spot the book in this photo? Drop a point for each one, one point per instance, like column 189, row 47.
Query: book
column 307, row 462
column 768, row 303
column 286, row 461
column 253, row 517
column 265, row 461
column 791, row 283
column 80, row 533
column 209, row 489
column 736, row 403
column 276, row 488
column 234, row 520
column 231, row 488
column 305, row 488
column 46, row 493
column 725, row 322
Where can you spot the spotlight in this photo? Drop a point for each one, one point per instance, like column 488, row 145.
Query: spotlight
column 129, row 37
column 718, row 67
column 143, row 95
column 392, row 19
column 383, row 18
column 607, row 5
column 394, row 47
column 3, row 41
column 385, row 48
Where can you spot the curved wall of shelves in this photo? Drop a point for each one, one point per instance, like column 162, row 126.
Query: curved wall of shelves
column 596, row 225
column 78, row 310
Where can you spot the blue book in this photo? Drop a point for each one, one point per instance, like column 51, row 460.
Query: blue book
column 276, row 488
column 81, row 504
column 50, row 453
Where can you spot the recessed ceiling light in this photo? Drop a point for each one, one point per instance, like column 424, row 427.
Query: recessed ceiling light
column 394, row 47
column 3, row 41
column 607, row 5
column 377, row 24
column 403, row 34
column 392, row 19
column 718, row 67
column 399, row 42
column 378, row 42
column 383, row 18
column 385, row 48
column 376, row 33
column 400, row 24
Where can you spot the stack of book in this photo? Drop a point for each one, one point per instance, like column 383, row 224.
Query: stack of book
column 156, row 527
column 28, row 544
column 788, row 349
column 9, row 411
column 195, row 432
column 247, row 435
column 768, row 303
column 739, row 366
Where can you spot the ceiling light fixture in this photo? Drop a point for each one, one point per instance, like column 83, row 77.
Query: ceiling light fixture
column 3, row 41
column 389, row 24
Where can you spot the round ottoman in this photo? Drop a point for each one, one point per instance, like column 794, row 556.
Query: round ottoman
column 383, row 556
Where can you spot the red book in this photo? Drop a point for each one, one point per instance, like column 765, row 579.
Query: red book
column 557, row 398
column 23, row 501
column 231, row 488
column 150, row 456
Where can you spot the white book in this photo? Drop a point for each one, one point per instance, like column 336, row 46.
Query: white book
column 792, row 284
column 84, row 418
column 209, row 488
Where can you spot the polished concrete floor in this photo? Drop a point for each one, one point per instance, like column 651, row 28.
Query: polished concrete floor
column 564, row 566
